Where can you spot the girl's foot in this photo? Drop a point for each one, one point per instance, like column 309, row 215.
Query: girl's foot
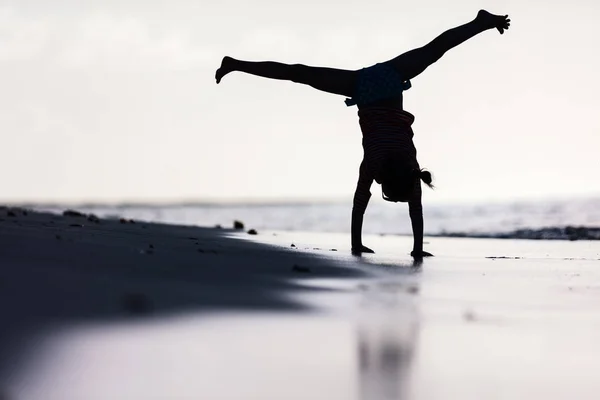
column 226, row 67
column 489, row 20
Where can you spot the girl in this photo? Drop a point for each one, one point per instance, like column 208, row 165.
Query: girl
column 390, row 157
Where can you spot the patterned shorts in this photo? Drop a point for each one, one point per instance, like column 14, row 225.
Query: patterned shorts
column 378, row 82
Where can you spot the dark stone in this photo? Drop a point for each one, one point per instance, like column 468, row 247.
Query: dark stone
column 11, row 214
column 300, row 269
column 136, row 304
column 73, row 213
column 238, row 224
column 413, row 289
column 252, row 232
column 469, row 316
column 93, row 218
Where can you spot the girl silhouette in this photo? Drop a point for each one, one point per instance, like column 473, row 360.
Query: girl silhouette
column 390, row 157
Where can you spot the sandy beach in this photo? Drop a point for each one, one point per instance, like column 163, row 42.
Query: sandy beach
column 109, row 309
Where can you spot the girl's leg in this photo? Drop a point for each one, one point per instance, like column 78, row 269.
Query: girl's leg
column 412, row 63
column 330, row 80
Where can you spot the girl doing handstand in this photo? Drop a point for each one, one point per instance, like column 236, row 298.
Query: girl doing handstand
column 390, row 157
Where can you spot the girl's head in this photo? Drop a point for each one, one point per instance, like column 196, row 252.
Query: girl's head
column 399, row 178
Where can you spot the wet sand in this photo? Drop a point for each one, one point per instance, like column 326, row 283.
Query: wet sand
column 119, row 310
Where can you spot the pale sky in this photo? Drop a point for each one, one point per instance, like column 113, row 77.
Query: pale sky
column 115, row 100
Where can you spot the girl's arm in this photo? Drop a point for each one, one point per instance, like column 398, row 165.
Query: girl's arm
column 357, row 246
column 415, row 210
column 361, row 200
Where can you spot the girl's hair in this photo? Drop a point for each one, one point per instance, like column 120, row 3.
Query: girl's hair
column 426, row 177
column 398, row 179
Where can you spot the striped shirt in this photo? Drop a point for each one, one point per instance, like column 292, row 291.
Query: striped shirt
column 386, row 131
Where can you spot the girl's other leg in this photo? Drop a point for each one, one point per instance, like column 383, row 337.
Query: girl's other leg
column 330, row 80
column 412, row 63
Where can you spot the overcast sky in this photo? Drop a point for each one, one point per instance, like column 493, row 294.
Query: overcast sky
column 115, row 100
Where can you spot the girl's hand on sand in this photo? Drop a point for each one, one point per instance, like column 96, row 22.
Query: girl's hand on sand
column 358, row 250
column 420, row 254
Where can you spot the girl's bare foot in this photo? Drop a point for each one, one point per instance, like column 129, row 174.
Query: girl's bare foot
column 500, row 22
column 226, row 67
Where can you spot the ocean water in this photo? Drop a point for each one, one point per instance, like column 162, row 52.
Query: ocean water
column 525, row 219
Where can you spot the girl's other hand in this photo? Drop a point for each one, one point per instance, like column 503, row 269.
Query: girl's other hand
column 358, row 250
column 420, row 254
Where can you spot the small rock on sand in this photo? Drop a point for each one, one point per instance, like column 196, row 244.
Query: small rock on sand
column 136, row 304
column 300, row 269
column 73, row 213
column 238, row 224
column 252, row 232
column 413, row 289
column 469, row 316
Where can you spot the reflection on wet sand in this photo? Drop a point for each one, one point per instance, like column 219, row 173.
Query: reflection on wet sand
column 388, row 329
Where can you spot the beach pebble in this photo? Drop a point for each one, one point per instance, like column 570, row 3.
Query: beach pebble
column 469, row 316
column 332, row 249
column 238, row 224
column 73, row 213
column 412, row 289
column 122, row 220
column 93, row 218
column 300, row 269
column 252, row 232
column 293, row 245
column 136, row 303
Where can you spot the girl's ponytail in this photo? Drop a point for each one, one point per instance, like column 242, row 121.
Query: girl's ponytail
column 425, row 176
